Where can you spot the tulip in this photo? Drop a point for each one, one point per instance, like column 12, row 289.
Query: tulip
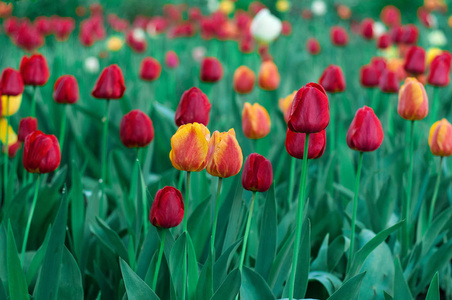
column 4, row 134
column 11, row 83
column 367, row 30
column 286, row 28
column 390, row 15
column 26, row 126
column 12, row 149
column 171, row 60
column 136, row 40
column 318, row 7
column 410, row 34
column 114, row 44
column 167, row 210
column 110, row 84
column 136, row 129
column 365, row 133
column 268, row 77
column 91, row 65
column 413, row 101
column 415, row 60
column 41, row 153
column 63, row 27
column 257, row 175
column 383, row 41
column 28, row 37
column 440, row 138
column 313, row 46
column 379, row 63
column 339, row 36
column 255, row 121
column 310, row 110
column 344, row 12
column 295, row 144
column 150, row 69
column 189, row 147
column 389, row 83
column 285, row 105
column 332, row 79
column 65, row 90
column 211, row 70
column 194, row 107
column 224, row 158
column 369, row 76
column 10, row 105
column 34, row 70
column 265, row 27
column 439, row 74
column 243, row 80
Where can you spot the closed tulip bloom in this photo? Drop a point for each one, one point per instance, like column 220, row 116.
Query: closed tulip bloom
column 440, row 70
column 265, row 27
column 367, row 30
column 310, row 111
column 110, row 84
column 167, row 210
column 440, row 138
column 384, row 41
column 410, row 34
column 10, row 105
column 194, row 107
column 12, row 137
column 390, row 15
column 211, row 70
column 136, row 129
column 65, row 90
column 268, row 77
column 11, row 83
column 379, row 63
column 26, row 126
column 332, row 79
column 365, row 133
column 389, row 82
column 150, row 69
column 41, row 153
column 339, row 36
column 413, row 101
column 224, row 158
column 34, row 70
column 285, row 105
column 171, row 59
column 313, row 46
column 136, row 40
column 369, row 76
column 295, row 144
column 243, row 80
column 12, row 149
column 415, row 60
column 189, row 147
column 255, row 121
column 257, row 175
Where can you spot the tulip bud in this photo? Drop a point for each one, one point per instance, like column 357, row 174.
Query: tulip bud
column 367, row 30
column 313, row 46
column 285, row 105
column 440, row 138
column 34, row 70
column 390, row 15
column 268, row 77
column 167, row 210
column 265, row 27
column 224, row 158
column 369, row 76
column 171, row 59
column 11, row 83
column 194, row 107
column 110, row 84
column 41, row 153
column 12, row 137
column 413, row 101
column 26, row 126
column 136, row 40
column 136, row 129
column 332, row 79
column 339, row 36
column 65, row 90
column 440, row 70
column 12, row 149
column 310, row 110
column 384, row 41
column 415, row 60
column 365, row 133
column 150, row 69
column 389, row 82
column 211, row 70
column 257, row 175
column 295, row 144
column 255, row 121
column 410, row 34
column 243, row 80
column 189, row 147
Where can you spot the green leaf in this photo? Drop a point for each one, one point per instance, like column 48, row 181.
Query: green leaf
column 220, row 269
column 336, row 250
column 18, row 289
column 433, row 290
column 37, row 259
column 230, row 287
column 349, row 289
column 233, row 228
column 70, row 287
column 2, row 292
column 205, row 284
column 254, row 286
column 321, row 261
column 77, row 210
column 387, row 296
column 109, row 238
column 401, row 289
column 435, row 229
column 329, row 282
column 176, row 263
column 136, row 288
column 304, row 261
column 192, row 271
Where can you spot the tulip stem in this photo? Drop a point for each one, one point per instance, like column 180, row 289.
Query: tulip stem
column 355, row 209
column 104, row 155
column 434, row 115
column 30, row 217
column 390, row 113
column 435, row 193
column 375, row 99
column 159, row 260
column 247, row 232
column 187, row 195
column 406, row 205
column 5, row 166
column 291, row 181
column 33, row 101
column 301, row 203
column 333, row 124
column 215, row 219
column 63, row 128
column 143, row 195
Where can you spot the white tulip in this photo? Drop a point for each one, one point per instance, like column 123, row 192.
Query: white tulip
column 138, row 34
column 318, row 8
column 91, row 64
column 437, row 38
column 379, row 28
column 198, row 53
column 265, row 27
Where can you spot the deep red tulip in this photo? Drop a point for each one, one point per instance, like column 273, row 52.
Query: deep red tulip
column 28, row 37
column 63, row 27
column 369, row 76
column 339, row 36
column 44, row 25
column 150, row 69
column 41, row 153
column 440, row 70
column 313, row 46
column 295, row 144
column 66, row 90
column 194, row 13
column 332, row 79
column 410, row 34
column 211, row 70
column 415, row 60
column 10, row 25
column 136, row 129
column 257, row 175
column 171, row 59
column 396, row 34
column 379, row 63
column 110, row 84
column 389, row 82
column 367, row 30
column 167, row 210
column 194, row 106
column 384, row 41
column 34, row 70
column 390, row 15
column 135, row 41
column 310, row 109
column 26, row 126
column 365, row 133
column 12, row 149
column 11, row 83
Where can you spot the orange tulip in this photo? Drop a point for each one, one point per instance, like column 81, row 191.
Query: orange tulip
column 268, row 78
column 189, row 147
column 285, row 105
column 440, row 138
column 413, row 101
column 255, row 121
column 225, row 156
column 243, row 80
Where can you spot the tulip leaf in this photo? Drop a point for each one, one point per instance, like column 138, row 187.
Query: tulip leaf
column 18, row 288
column 329, row 282
column 221, row 266
column 70, row 286
column 77, row 210
column 401, row 289
column 433, row 290
column 254, row 286
column 38, row 257
column 230, row 287
column 109, row 238
column 204, row 289
column 136, row 288
column 233, row 228
column 349, row 289
column 192, row 271
column 435, row 229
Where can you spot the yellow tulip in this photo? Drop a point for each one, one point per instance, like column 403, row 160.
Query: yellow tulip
column 431, row 54
column 114, row 43
column 12, row 137
column 227, row 6
column 10, row 106
column 282, row 5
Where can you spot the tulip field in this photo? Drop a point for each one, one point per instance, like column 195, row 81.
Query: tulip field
column 225, row 149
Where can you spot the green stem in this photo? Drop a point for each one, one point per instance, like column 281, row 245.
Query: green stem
column 215, row 219
column 159, row 260
column 143, row 196
column 63, row 128
column 375, row 99
column 187, row 196
column 301, row 203
column 5, row 165
column 332, row 123
column 390, row 113
column 355, row 209
column 435, row 194
column 30, row 217
column 33, row 101
column 291, row 180
column 406, row 205
column 435, row 105
column 104, row 155
column 247, row 232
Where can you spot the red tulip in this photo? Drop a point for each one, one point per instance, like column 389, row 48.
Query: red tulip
column 396, row 34
column 11, row 83
column 44, row 25
column 313, row 46
column 425, row 17
column 194, row 106
column 410, row 34
column 135, row 41
column 110, row 84
column 332, row 79
column 136, row 129
column 28, row 37
column 65, row 90
column 26, row 126
column 365, row 133
column 63, row 27
column 286, row 28
column 243, row 80
column 211, row 70
column 257, row 175
column 34, row 70
column 390, row 15
column 367, row 30
column 389, row 82
column 369, row 76
column 415, row 60
column 384, row 41
column 150, row 69
column 295, row 144
column 41, row 153
column 167, row 210
column 339, row 36
column 12, row 149
column 171, row 59
column 440, row 70
column 310, row 109
column 379, row 63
